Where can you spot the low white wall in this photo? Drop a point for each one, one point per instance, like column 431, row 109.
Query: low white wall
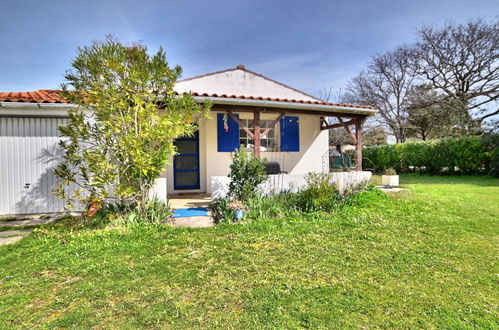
column 159, row 189
column 291, row 182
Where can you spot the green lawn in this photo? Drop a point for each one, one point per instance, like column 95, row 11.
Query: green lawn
column 425, row 258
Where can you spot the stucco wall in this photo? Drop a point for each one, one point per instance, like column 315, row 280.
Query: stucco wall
column 312, row 157
column 292, row 182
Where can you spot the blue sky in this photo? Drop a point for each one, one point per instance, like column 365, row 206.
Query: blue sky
column 307, row 44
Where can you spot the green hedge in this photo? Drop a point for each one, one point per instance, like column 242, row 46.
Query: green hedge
column 464, row 155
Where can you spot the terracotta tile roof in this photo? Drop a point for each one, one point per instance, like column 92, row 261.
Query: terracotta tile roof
column 284, row 100
column 40, row 96
column 54, row 96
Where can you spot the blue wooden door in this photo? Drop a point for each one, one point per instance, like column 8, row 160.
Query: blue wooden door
column 186, row 163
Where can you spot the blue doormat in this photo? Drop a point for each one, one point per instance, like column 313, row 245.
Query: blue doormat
column 192, row 212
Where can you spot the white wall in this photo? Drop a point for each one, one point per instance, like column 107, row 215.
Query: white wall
column 292, row 182
column 312, row 157
column 240, row 82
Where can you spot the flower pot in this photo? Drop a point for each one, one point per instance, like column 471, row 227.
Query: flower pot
column 390, row 180
column 238, row 214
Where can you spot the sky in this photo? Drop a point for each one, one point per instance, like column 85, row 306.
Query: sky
column 307, row 44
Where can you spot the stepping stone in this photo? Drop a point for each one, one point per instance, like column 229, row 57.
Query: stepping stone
column 195, row 222
column 10, row 240
column 15, row 232
column 27, row 222
column 391, row 189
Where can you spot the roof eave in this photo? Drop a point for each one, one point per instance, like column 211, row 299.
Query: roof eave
column 8, row 108
column 32, row 109
column 287, row 105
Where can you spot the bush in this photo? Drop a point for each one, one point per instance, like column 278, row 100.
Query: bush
column 320, row 195
column 492, row 147
column 155, row 211
column 221, row 210
column 246, row 173
column 279, row 205
column 464, row 155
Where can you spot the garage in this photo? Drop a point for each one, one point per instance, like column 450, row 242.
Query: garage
column 28, row 154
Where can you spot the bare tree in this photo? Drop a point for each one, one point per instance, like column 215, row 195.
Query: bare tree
column 462, row 60
column 329, row 94
column 385, row 84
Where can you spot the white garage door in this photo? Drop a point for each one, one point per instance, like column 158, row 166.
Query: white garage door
column 28, row 154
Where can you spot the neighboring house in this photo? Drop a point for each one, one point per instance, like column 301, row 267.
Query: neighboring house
column 248, row 109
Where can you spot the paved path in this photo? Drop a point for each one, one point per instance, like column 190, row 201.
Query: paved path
column 195, row 222
column 10, row 240
column 15, row 232
column 185, row 201
column 391, row 189
column 12, row 235
column 26, row 222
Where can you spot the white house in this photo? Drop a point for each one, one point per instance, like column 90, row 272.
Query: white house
column 249, row 110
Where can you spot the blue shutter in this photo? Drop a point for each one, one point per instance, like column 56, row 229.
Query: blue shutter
column 290, row 134
column 227, row 140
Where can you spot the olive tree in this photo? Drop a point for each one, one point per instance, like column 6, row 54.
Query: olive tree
column 118, row 139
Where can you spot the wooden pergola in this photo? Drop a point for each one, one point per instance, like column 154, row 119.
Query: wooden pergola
column 345, row 120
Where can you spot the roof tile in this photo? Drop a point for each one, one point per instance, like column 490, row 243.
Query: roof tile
column 54, row 96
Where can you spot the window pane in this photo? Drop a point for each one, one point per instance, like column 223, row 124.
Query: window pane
column 186, row 178
column 271, row 145
column 186, row 162
column 187, row 147
column 270, row 134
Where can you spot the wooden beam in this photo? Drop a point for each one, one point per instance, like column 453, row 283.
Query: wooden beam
column 272, row 125
column 326, row 127
column 324, row 122
column 246, row 129
column 358, row 145
column 345, row 126
column 246, row 108
column 256, row 130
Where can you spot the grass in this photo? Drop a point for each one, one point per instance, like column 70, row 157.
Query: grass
column 18, row 227
column 8, row 219
column 426, row 258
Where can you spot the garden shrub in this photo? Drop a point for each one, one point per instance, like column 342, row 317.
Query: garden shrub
column 319, row 195
column 246, row 173
column 155, row 211
column 464, row 155
column 492, row 147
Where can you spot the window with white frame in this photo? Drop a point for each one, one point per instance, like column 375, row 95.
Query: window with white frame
column 269, row 143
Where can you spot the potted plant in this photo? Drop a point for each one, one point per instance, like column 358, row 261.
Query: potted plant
column 390, row 178
column 238, row 208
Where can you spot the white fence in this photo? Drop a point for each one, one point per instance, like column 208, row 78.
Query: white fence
column 291, row 182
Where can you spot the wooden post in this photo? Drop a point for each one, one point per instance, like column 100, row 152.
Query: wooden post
column 358, row 144
column 256, row 133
